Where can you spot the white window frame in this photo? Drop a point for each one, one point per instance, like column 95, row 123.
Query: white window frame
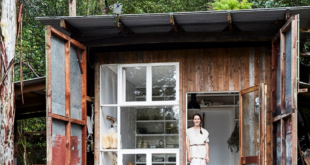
column 122, row 103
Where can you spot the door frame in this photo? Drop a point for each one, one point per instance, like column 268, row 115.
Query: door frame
column 262, row 92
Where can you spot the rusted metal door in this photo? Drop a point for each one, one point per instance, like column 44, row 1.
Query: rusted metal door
column 252, row 125
column 66, row 99
column 285, row 64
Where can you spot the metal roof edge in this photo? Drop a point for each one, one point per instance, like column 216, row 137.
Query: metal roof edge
column 178, row 13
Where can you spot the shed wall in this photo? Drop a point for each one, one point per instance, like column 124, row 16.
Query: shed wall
column 216, row 69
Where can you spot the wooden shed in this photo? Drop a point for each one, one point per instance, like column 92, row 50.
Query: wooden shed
column 241, row 65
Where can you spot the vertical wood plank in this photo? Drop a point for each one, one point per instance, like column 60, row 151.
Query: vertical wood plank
column 68, row 100
column 252, row 70
column 97, row 111
column 246, row 67
column 225, row 77
column 295, row 31
column 215, row 70
column 237, row 69
column 210, row 67
column 268, row 75
column 241, row 72
column 283, row 143
column 283, row 66
column 231, row 70
column 199, row 68
column 48, row 52
column 84, row 106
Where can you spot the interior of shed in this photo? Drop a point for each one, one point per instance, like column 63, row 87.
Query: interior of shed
column 220, row 113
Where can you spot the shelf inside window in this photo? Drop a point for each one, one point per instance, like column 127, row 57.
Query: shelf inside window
column 108, row 150
column 157, row 134
column 156, row 121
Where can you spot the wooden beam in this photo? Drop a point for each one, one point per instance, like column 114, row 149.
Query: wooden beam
column 31, row 115
column 181, row 37
column 287, row 14
column 30, row 101
column 70, row 29
column 89, row 99
column 250, row 160
column 30, row 88
column 175, row 26
column 79, row 60
column 303, row 90
column 250, row 89
column 122, row 27
column 31, row 109
column 279, row 117
column 68, row 119
column 304, row 53
column 287, row 25
column 304, row 30
column 229, row 20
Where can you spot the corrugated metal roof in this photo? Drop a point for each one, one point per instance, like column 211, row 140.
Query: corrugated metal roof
column 270, row 19
column 31, row 81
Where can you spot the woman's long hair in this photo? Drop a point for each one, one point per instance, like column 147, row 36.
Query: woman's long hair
column 197, row 114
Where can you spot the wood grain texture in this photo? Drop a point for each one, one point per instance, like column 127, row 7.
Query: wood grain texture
column 48, row 52
column 97, row 110
column 214, row 69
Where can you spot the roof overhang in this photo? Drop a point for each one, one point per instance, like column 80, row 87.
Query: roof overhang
column 207, row 26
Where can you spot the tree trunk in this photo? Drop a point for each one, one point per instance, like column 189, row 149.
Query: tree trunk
column 7, row 111
column 72, row 7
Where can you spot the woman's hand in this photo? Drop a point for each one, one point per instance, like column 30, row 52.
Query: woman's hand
column 207, row 160
column 189, row 159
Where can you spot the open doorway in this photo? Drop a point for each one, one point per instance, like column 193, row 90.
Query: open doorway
column 219, row 111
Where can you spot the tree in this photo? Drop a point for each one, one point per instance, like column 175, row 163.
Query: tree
column 7, row 112
column 231, row 5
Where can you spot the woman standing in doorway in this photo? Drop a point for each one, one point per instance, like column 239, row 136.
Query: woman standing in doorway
column 197, row 139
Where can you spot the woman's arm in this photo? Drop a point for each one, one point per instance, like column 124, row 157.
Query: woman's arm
column 207, row 156
column 188, row 150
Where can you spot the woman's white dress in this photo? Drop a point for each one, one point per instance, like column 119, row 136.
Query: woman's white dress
column 198, row 153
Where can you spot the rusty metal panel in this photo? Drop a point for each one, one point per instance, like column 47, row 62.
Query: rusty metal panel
column 58, row 76
column 288, row 71
column 75, row 84
column 59, row 142
column 76, row 144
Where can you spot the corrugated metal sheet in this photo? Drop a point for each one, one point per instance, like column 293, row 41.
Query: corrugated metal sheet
column 206, row 21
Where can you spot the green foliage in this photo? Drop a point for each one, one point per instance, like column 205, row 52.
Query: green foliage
column 34, row 146
column 231, row 5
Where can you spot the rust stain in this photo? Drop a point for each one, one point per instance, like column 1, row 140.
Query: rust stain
column 75, row 159
column 59, row 150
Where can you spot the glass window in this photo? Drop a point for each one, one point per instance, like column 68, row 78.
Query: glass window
column 163, row 159
column 108, row 88
column 150, row 127
column 134, row 83
column 163, row 83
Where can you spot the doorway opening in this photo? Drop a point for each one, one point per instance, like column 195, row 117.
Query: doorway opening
column 220, row 113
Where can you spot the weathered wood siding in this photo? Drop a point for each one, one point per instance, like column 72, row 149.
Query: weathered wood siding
column 217, row 69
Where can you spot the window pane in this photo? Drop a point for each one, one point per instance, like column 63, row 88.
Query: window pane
column 75, row 84
column 135, row 83
column 108, row 133
column 132, row 159
column 163, row 159
column 150, row 127
column 250, row 112
column 163, row 83
column 108, row 88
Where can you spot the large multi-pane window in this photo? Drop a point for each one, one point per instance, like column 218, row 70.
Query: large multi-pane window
column 144, row 101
